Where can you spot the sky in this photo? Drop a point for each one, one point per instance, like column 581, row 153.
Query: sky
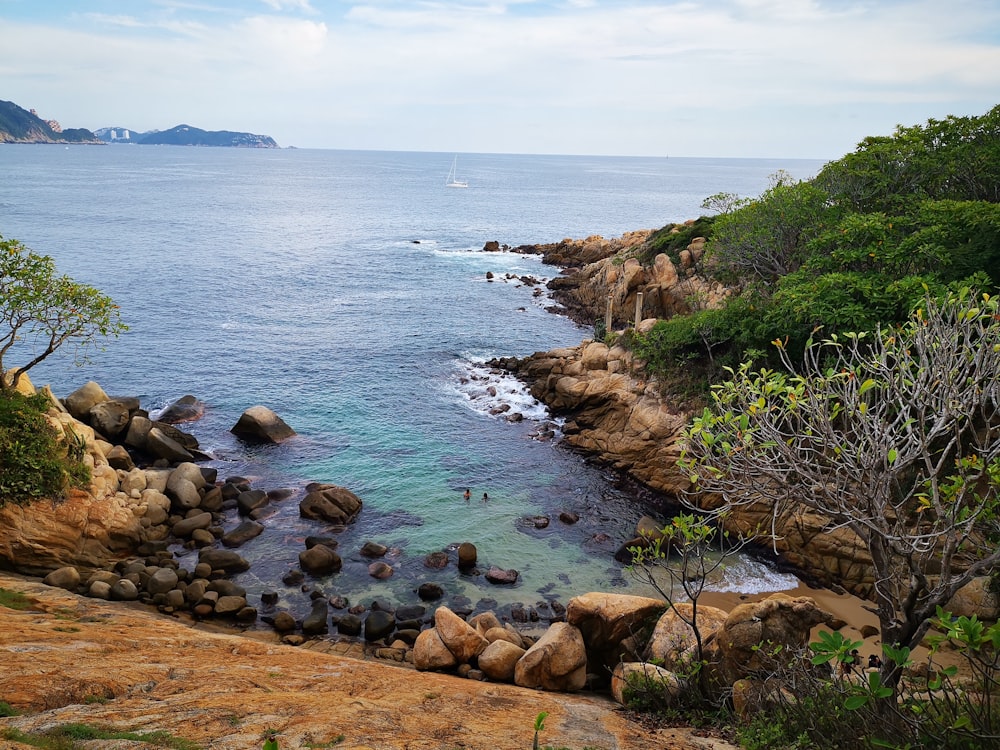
column 698, row 78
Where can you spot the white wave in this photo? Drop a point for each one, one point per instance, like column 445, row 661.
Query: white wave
column 748, row 576
column 497, row 393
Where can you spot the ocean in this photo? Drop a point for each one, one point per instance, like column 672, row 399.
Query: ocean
column 348, row 291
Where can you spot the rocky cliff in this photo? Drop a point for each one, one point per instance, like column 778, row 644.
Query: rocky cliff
column 618, row 413
column 18, row 125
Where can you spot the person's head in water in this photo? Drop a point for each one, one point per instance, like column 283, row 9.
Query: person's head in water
column 485, row 497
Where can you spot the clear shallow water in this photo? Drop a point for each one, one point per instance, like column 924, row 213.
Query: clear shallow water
column 348, row 292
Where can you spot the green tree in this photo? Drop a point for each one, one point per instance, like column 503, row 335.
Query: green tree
column 41, row 311
column 766, row 238
column 894, row 435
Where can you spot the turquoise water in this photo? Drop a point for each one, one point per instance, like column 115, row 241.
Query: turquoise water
column 348, row 291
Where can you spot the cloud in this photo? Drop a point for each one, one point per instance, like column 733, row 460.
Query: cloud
column 585, row 75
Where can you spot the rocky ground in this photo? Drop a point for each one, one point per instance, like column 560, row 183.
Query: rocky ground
column 69, row 659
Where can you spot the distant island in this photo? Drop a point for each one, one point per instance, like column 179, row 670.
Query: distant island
column 185, row 135
column 19, row 125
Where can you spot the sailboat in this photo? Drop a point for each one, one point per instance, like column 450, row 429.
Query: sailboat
column 452, row 180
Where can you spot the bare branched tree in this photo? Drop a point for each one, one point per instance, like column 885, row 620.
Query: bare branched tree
column 893, row 435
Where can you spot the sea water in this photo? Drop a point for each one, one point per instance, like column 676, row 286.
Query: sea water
column 349, row 292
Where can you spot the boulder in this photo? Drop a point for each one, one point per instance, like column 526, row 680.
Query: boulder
column 779, row 620
column 119, row 458
column 557, row 661
column 330, row 503
column 138, row 432
column 185, row 409
column 230, row 606
column 242, row 534
column 463, row 640
column 83, row 399
column 250, row 500
column 184, row 486
column 283, row 622
column 186, row 526
column 499, row 660
column 380, row 570
column 630, row 680
column 225, row 560
column 610, row 622
column 430, row 591
column 430, row 653
column 124, row 590
column 320, row 560
column 109, row 418
column 373, row 549
column 316, row 621
column 379, row 624
column 673, row 643
column 161, row 581
column 66, row 577
column 500, row 576
column 260, row 424
column 161, row 445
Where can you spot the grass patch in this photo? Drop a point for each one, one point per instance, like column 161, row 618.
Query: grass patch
column 6, row 709
column 69, row 737
column 14, row 600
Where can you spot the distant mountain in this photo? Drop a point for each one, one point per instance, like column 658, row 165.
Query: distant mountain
column 185, row 135
column 19, row 125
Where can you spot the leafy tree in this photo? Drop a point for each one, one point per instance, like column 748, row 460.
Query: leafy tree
column 42, row 311
column 766, row 238
column 680, row 561
column 894, row 435
column 957, row 158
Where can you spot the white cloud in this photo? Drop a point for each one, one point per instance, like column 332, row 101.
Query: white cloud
column 698, row 78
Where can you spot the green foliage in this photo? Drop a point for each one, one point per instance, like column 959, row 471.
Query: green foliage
column 14, row 600
column 849, row 250
column 673, row 238
column 6, row 709
column 539, row 727
column 270, row 739
column 767, row 238
column 33, row 462
column 41, row 311
column 69, row 737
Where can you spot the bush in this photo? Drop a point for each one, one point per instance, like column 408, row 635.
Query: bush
column 34, row 463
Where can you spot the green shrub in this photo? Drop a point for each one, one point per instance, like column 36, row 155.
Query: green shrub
column 34, row 463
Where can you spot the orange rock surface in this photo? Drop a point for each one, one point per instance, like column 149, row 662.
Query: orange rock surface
column 67, row 659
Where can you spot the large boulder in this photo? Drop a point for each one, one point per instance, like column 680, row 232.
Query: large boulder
column 499, row 659
column 430, row 653
column 557, row 661
column 320, row 560
column 612, row 625
column 222, row 559
column 161, row 445
column 185, row 409
column 463, row 640
column 110, row 418
column 260, row 424
column 631, row 680
column 83, row 399
column 673, row 643
column 330, row 503
column 779, row 620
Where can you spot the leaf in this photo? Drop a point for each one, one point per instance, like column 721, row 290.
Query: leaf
column 855, row 702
